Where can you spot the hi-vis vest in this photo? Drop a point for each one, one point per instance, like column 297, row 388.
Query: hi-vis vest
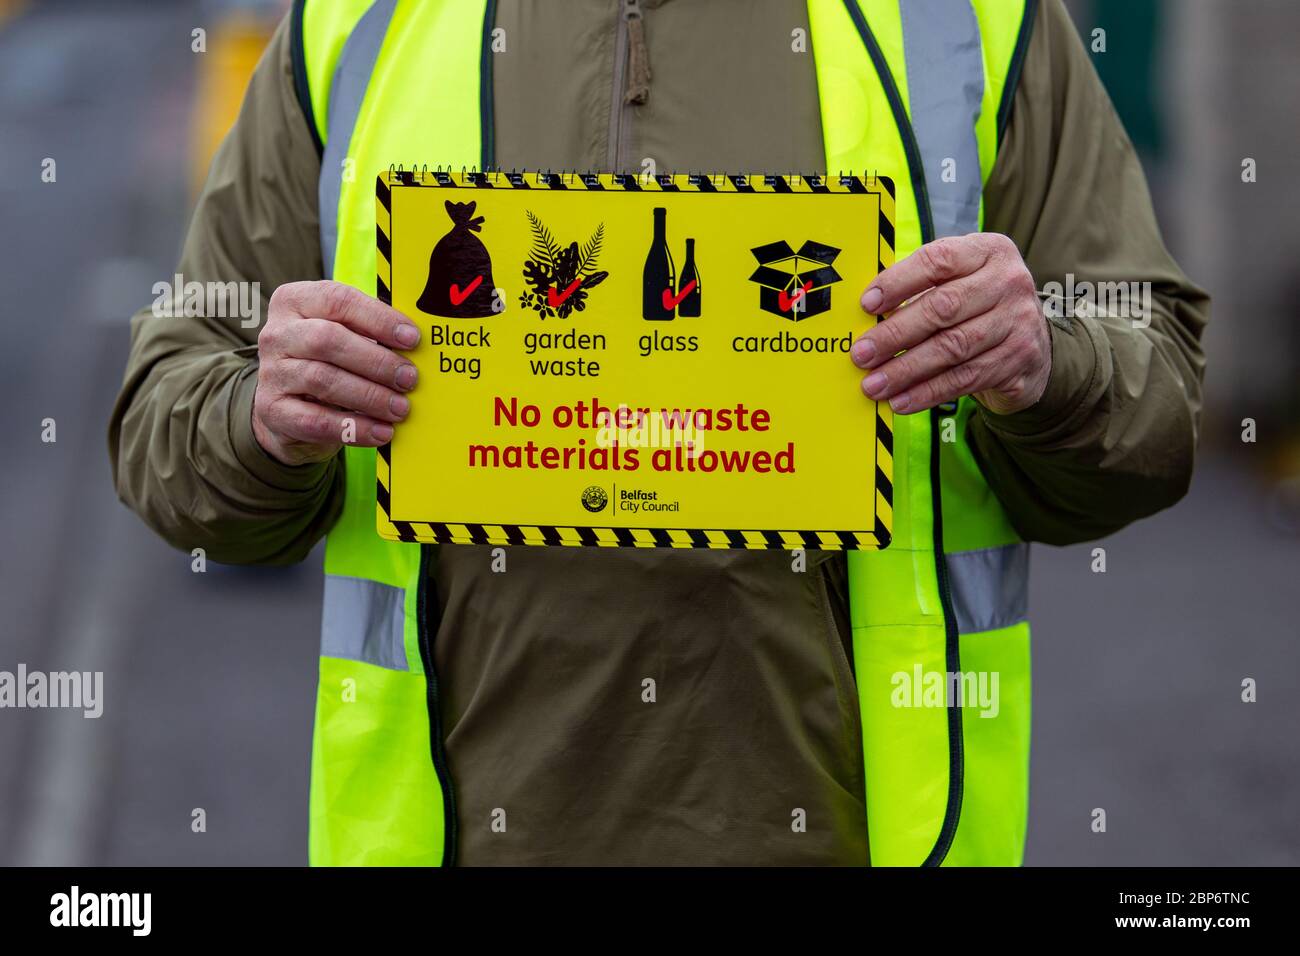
column 917, row 90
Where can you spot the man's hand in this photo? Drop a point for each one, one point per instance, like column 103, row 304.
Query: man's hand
column 327, row 373
column 972, row 325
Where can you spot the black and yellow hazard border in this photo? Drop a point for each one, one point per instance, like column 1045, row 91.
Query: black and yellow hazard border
column 588, row 536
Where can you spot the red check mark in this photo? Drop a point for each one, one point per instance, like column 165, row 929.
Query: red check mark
column 673, row 301
column 556, row 299
column 786, row 301
column 457, row 297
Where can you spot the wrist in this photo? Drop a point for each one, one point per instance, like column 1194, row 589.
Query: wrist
column 1075, row 367
column 253, row 450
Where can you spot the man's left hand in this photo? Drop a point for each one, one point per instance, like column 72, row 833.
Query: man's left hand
column 972, row 325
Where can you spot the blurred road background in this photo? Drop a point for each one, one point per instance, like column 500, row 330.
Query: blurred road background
column 209, row 678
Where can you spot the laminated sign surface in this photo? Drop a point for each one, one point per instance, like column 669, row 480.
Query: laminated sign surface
column 636, row 361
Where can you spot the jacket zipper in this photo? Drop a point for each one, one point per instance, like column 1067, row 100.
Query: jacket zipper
column 620, row 114
column 437, row 748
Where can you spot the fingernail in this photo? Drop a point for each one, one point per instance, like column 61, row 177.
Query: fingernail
column 863, row 351
column 871, row 300
column 381, row 432
column 407, row 376
column 407, row 335
column 900, row 403
column 399, row 406
column 875, row 383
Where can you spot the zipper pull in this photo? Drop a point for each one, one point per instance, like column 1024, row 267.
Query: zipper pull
column 638, row 74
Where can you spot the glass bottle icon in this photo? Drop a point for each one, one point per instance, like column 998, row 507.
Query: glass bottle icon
column 690, row 305
column 659, row 273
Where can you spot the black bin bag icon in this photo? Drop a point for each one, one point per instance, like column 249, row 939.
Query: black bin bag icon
column 460, row 282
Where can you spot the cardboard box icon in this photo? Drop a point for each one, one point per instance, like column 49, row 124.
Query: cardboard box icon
column 782, row 271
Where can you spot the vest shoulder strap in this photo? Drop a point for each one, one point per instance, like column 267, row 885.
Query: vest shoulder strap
column 301, row 86
column 319, row 31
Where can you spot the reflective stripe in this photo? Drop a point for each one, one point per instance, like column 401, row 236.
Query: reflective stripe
column 945, row 86
column 990, row 587
column 363, row 621
column 351, row 78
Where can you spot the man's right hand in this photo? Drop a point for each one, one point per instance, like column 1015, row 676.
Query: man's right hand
column 327, row 371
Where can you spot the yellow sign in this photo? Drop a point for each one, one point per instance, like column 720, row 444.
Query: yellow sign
column 636, row 361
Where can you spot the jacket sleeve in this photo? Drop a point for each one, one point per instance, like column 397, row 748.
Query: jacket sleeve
column 181, row 440
column 1114, row 436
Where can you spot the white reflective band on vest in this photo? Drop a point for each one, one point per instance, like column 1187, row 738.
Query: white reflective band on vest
column 363, row 621
column 347, row 92
column 990, row 587
column 945, row 86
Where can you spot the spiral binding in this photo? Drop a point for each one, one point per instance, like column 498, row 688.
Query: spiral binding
column 443, row 176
